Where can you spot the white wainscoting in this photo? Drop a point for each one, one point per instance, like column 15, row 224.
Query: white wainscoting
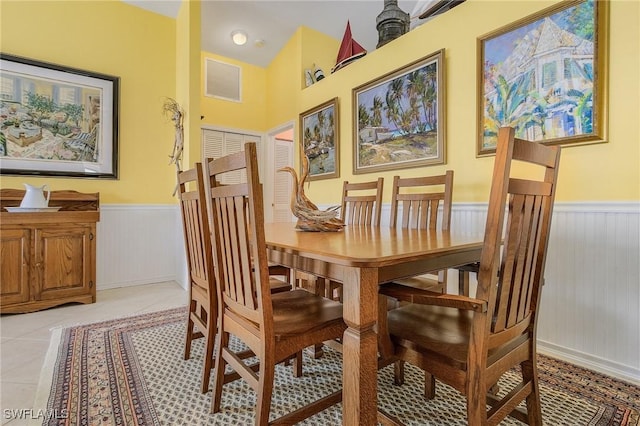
column 139, row 244
column 590, row 311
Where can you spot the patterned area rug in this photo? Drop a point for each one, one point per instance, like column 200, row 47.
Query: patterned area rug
column 131, row 371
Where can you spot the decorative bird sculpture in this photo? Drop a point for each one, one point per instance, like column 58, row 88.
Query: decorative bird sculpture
column 310, row 217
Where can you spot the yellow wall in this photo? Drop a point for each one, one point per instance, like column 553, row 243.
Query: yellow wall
column 146, row 47
column 597, row 172
column 188, row 85
column 284, row 80
column 108, row 37
column 319, row 50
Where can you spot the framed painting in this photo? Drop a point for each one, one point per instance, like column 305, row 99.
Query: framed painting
column 57, row 121
column 546, row 76
column 320, row 140
column 398, row 119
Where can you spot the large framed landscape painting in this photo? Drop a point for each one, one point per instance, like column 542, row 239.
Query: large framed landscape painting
column 546, row 76
column 399, row 118
column 57, row 121
column 320, row 140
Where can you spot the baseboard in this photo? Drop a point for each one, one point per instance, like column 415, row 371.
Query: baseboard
column 155, row 280
column 590, row 362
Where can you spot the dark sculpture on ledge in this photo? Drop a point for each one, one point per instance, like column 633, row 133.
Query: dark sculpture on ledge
column 391, row 23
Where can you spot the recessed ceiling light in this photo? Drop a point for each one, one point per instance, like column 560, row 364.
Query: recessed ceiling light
column 239, row 37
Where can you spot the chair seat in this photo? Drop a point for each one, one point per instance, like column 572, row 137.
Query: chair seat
column 299, row 311
column 423, row 282
column 439, row 332
column 444, row 331
column 278, row 286
column 295, row 313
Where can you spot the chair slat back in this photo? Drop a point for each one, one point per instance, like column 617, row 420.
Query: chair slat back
column 236, row 212
column 195, row 226
column 511, row 281
column 364, row 207
column 420, row 209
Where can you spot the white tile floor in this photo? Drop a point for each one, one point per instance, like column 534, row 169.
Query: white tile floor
column 25, row 337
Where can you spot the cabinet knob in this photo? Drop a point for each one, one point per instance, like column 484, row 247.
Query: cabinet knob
column 91, row 236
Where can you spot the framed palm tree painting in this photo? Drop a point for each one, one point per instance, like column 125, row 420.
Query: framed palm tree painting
column 545, row 76
column 399, row 118
column 319, row 136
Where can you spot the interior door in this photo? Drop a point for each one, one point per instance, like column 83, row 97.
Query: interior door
column 216, row 144
column 282, row 182
column 277, row 152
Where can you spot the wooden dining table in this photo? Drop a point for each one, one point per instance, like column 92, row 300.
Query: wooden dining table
column 363, row 258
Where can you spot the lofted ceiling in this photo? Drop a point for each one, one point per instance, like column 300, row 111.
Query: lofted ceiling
column 274, row 22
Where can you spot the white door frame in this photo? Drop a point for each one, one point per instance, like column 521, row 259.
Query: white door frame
column 269, row 175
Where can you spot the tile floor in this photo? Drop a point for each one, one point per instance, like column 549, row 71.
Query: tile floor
column 25, row 337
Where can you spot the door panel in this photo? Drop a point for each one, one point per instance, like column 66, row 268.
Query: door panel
column 63, row 259
column 14, row 265
column 282, row 182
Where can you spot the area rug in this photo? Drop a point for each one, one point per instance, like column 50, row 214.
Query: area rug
column 131, row 371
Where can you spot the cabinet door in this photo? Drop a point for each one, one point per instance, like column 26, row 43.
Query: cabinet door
column 14, row 265
column 63, row 258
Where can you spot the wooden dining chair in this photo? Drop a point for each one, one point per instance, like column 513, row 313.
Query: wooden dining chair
column 362, row 202
column 361, row 205
column 420, row 210
column 469, row 343
column 202, row 294
column 415, row 204
column 201, row 316
column 274, row 327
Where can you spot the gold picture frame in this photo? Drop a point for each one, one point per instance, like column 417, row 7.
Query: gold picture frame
column 398, row 119
column 546, row 76
column 320, row 140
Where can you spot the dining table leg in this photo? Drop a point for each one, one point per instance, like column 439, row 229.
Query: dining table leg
column 359, row 347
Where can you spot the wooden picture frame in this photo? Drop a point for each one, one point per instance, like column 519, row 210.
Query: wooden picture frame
column 57, row 121
column 397, row 126
column 319, row 140
column 546, row 76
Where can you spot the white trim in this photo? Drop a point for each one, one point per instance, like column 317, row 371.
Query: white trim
column 136, row 207
column 590, row 362
column 570, row 206
column 231, row 130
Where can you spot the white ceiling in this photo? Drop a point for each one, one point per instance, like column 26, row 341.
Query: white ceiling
column 275, row 22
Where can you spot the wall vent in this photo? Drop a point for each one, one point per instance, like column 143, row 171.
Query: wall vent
column 222, row 80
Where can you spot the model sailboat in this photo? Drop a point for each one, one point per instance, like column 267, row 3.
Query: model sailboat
column 349, row 51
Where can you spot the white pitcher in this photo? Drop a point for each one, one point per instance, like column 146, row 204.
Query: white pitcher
column 34, row 196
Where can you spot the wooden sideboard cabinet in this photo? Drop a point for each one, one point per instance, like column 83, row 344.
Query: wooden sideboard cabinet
column 48, row 258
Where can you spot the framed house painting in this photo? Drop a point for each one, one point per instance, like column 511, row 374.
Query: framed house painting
column 320, row 140
column 398, row 119
column 57, row 121
column 546, row 76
